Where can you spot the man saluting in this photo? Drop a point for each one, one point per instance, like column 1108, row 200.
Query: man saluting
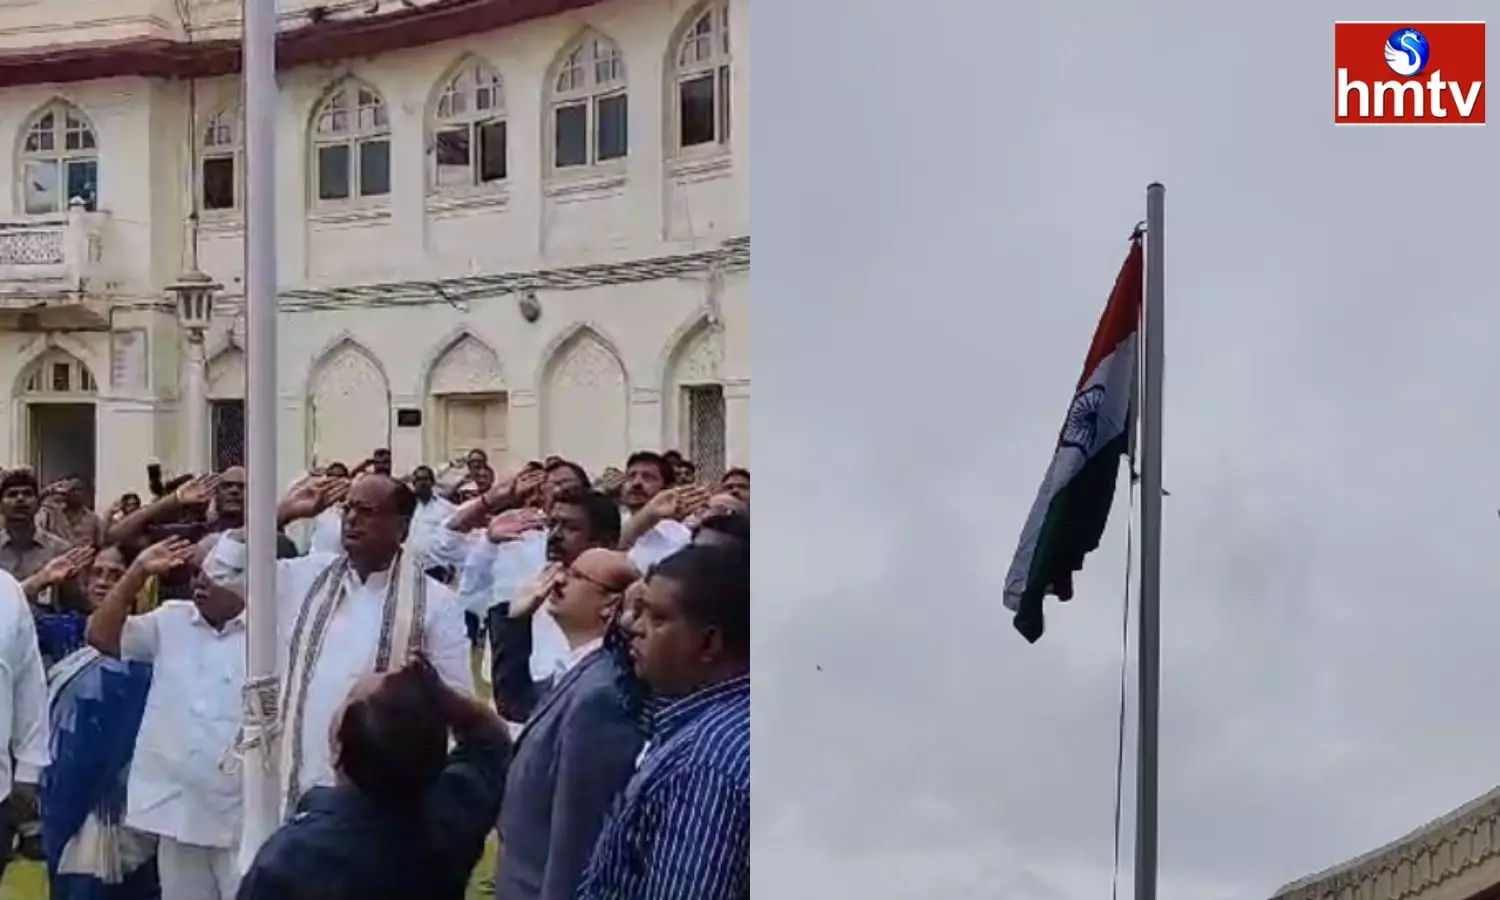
column 342, row 616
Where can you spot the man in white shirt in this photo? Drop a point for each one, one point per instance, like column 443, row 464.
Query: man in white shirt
column 664, row 524
column 653, row 532
column 647, row 473
column 432, row 510
column 184, row 785
column 343, row 616
column 23, row 728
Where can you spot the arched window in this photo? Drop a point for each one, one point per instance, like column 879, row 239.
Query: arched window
column 468, row 136
column 58, row 372
column 59, row 160
column 219, row 162
column 351, row 144
column 589, row 104
column 701, row 74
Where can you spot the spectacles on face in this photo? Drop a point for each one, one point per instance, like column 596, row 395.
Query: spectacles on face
column 610, row 590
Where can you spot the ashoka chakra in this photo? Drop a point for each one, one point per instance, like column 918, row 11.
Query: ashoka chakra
column 1082, row 424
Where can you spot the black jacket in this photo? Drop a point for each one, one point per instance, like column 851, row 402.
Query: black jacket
column 342, row 846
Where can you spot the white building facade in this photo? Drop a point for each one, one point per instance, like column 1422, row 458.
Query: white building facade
column 531, row 240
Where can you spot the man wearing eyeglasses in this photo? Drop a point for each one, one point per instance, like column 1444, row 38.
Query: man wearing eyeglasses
column 579, row 746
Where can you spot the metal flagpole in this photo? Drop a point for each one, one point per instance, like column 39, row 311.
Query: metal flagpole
column 262, row 803
column 1149, row 649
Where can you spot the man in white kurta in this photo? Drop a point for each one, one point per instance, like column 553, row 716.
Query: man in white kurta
column 353, row 639
column 185, row 785
column 23, row 693
column 432, row 511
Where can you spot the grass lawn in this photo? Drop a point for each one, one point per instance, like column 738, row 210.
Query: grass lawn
column 25, row 880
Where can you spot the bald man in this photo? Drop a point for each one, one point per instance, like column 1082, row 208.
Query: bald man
column 579, row 747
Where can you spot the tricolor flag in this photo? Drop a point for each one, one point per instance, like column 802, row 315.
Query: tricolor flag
column 1071, row 509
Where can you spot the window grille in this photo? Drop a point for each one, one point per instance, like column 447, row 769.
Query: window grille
column 704, row 405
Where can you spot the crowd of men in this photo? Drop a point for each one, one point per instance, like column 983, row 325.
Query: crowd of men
column 608, row 616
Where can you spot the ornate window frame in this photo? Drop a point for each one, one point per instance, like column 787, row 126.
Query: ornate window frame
column 352, row 116
column 467, row 113
column 59, row 135
column 587, row 84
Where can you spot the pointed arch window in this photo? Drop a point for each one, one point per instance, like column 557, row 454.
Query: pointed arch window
column 57, row 372
column 59, row 160
column 219, row 162
column 351, row 144
column 701, row 76
column 589, row 105
column 469, row 129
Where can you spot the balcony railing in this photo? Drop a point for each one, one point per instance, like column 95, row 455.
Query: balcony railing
column 54, row 256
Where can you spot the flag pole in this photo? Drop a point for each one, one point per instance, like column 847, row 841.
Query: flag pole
column 1149, row 648
column 262, row 785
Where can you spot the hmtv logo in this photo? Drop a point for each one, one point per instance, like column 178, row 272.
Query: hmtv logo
column 1395, row 73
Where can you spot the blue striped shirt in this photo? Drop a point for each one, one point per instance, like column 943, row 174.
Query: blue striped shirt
column 681, row 828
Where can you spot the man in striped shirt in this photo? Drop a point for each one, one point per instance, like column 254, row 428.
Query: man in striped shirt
column 681, row 827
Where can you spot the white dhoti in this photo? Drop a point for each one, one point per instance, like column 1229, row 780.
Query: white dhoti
column 403, row 615
column 191, row 872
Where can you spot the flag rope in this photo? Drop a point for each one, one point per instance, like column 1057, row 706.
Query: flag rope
column 1114, row 888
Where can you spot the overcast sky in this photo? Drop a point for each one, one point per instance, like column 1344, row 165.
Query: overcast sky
column 943, row 191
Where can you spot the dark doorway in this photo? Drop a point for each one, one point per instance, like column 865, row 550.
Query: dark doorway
column 62, row 442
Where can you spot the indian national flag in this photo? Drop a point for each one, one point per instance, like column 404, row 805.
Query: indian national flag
column 1071, row 509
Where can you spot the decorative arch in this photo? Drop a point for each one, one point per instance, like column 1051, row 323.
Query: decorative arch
column 692, row 394
column 349, row 143
column 31, row 354
column 226, row 342
column 585, row 405
column 57, row 159
column 56, row 374
column 587, row 105
column 682, row 341
column 348, row 396
column 225, row 373
column 343, row 340
column 699, row 71
column 467, row 400
column 551, row 353
column 476, row 367
column 467, row 127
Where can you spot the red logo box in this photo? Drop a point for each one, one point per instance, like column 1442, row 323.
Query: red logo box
column 1448, row 90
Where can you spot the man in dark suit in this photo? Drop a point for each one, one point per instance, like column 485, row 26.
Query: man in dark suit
column 579, row 746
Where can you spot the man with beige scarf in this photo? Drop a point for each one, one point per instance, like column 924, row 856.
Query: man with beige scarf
column 342, row 616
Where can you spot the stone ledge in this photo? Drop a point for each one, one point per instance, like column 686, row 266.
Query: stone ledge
column 1441, row 851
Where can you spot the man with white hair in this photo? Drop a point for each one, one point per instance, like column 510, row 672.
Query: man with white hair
column 184, row 785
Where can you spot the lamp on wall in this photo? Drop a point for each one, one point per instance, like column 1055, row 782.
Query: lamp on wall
column 531, row 308
column 194, row 293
